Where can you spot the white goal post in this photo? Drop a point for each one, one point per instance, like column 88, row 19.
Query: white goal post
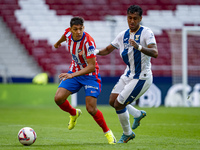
column 74, row 99
column 185, row 54
column 185, row 31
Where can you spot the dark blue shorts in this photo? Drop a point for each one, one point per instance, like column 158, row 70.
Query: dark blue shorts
column 91, row 84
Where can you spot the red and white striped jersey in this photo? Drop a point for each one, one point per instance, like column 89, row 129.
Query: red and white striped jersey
column 81, row 51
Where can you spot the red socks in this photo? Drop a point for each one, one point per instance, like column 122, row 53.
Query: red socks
column 68, row 108
column 98, row 117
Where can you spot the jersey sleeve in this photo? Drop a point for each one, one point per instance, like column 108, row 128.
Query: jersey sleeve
column 90, row 46
column 67, row 31
column 90, row 52
column 150, row 38
column 117, row 40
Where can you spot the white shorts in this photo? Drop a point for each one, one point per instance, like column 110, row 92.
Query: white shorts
column 130, row 89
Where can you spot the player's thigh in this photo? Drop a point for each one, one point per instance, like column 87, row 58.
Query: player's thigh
column 72, row 85
column 133, row 90
column 145, row 87
column 117, row 89
column 119, row 86
column 66, row 88
column 92, row 88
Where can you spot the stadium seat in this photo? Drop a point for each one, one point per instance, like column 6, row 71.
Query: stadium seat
column 160, row 15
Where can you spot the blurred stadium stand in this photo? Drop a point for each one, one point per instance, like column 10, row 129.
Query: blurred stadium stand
column 38, row 24
column 14, row 59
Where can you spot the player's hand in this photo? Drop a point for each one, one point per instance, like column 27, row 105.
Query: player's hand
column 65, row 76
column 57, row 45
column 133, row 43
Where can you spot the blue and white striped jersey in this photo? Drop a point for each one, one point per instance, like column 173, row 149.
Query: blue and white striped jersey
column 138, row 64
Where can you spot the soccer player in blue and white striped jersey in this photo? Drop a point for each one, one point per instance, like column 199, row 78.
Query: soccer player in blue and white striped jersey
column 136, row 45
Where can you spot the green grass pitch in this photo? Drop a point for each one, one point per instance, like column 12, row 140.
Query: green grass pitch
column 30, row 105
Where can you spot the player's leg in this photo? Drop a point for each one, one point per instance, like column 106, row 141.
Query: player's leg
column 61, row 100
column 92, row 87
column 140, row 89
column 133, row 111
column 116, row 90
column 123, row 116
column 113, row 97
column 121, row 111
column 65, row 89
column 138, row 115
column 91, row 106
column 132, row 90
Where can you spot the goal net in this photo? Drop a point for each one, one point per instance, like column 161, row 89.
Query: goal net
column 185, row 51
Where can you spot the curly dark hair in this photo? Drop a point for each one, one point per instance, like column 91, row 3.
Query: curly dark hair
column 76, row 21
column 135, row 8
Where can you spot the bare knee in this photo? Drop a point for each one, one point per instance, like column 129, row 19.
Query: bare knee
column 91, row 110
column 58, row 99
column 118, row 106
column 111, row 102
column 61, row 96
column 112, row 99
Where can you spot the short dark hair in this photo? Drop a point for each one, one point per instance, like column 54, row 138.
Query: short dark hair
column 135, row 8
column 76, row 21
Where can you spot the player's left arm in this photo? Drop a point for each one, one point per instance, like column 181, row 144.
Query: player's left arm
column 90, row 68
column 91, row 62
column 151, row 50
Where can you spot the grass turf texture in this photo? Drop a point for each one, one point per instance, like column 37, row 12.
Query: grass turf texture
column 24, row 105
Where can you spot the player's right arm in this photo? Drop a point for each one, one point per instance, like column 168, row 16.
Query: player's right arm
column 114, row 45
column 58, row 43
column 106, row 50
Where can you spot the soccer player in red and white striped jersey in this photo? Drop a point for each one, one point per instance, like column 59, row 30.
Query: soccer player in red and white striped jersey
column 84, row 72
column 81, row 50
